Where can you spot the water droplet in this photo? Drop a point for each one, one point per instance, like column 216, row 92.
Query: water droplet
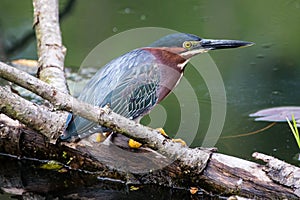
column 266, row 45
column 127, row 10
column 297, row 157
column 115, row 29
column 143, row 17
column 275, row 92
column 260, row 56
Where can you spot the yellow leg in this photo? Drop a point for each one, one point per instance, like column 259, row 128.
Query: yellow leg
column 178, row 140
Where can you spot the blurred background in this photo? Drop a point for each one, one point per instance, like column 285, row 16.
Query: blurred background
column 262, row 76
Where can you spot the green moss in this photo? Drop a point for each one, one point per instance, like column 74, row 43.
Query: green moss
column 52, row 165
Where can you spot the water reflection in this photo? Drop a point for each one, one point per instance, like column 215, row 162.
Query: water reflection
column 24, row 179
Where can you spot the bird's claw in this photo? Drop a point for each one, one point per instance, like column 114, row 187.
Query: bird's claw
column 134, row 144
column 100, row 137
column 177, row 140
column 181, row 141
column 162, row 131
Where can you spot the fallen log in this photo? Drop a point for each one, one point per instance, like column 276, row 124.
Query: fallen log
column 223, row 175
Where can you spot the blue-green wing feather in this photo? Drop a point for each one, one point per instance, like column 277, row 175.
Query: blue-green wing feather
column 129, row 84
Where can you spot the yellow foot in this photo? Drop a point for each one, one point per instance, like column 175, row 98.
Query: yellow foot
column 162, row 131
column 134, row 144
column 181, row 141
column 100, row 137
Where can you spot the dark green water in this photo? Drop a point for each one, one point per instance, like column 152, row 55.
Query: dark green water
column 264, row 75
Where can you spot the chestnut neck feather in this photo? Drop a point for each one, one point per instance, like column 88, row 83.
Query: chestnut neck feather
column 168, row 57
column 171, row 70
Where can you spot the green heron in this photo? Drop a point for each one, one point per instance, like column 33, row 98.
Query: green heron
column 135, row 82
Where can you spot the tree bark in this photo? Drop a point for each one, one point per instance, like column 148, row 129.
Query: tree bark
column 51, row 52
column 223, row 175
column 37, row 117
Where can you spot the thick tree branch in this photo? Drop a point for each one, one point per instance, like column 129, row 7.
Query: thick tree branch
column 51, row 52
column 37, row 117
column 281, row 172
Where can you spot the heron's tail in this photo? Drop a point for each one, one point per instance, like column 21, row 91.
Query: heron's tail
column 70, row 132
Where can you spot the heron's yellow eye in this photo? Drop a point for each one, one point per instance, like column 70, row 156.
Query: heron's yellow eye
column 187, row 44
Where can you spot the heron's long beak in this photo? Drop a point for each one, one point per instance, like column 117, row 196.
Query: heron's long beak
column 223, row 44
